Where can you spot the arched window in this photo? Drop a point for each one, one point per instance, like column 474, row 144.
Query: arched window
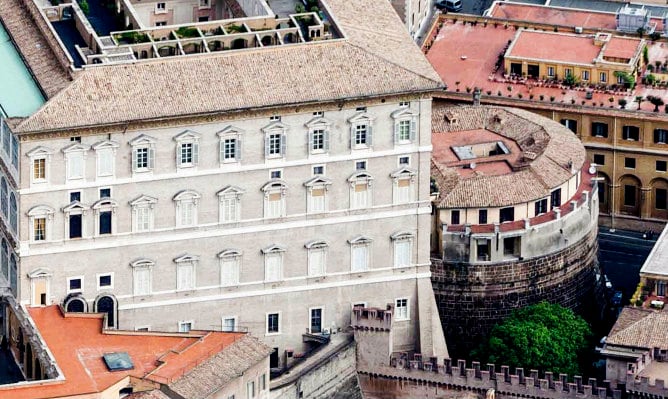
column 5, row 260
column 13, row 221
column 107, row 304
column 75, row 304
column 3, row 196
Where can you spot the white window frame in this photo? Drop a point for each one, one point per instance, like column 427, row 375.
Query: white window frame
column 183, row 323
column 183, row 198
column 271, row 189
column 397, row 316
column 229, row 195
column 41, row 212
column 250, row 389
column 187, row 137
column 603, row 77
column 324, row 170
column 97, row 281
column 275, row 128
column 318, row 184
column 39, row 153
column 322, row 319
column 236, row 323
column 402, row 238
column 143, row 203
column 405, row 117
column 230, row 133
column 101, row 148
column 39, row 275
column 75, row 291
column 142, row 265
column 585, row 75
column 360, row 242
column 398, row 178
column 159, row 9
column 360, row 178
column 361, row 119
column 550, row 72
column 104, row 205
column 273, row 252
column 318, row 124
column 143, row 141
column 234, row 257
column 72, row 151
column 183, row 263
column 75, row 208
column 312, row 247
column 266, row 324
column 400, row 165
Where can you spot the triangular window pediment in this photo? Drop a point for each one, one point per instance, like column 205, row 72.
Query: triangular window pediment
column 39, row 151
column 275, row 126
column 361, row 117
column 187, row 135
column 317, row 180
column 75, row 206
column 360, row 176
column 230, row 190
column 403, row 113
column 75, row 148
column 403, row 172
column 318, row 121
column 41, row 272
column 105, row 144
column 230, row 130
column 142, row 139
column 143, row 200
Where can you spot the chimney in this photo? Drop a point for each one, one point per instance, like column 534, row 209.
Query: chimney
column 476, row 96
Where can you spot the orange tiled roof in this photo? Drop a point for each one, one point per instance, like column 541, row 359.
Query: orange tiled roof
column 556, row 47
column 81, row 360
column 622, row 47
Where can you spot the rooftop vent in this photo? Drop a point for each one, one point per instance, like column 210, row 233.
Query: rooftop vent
column 118, row 361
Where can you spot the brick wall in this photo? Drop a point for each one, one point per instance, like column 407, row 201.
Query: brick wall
column 472, row 298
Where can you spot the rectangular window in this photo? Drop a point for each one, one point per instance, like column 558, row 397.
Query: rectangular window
column 316, row 261
column 274, row 118
column 161, row 7
column 402, row 253
column 629, row 195
column 185, row 276
column 39, row 229
column 568, row 71
column 318, row 140
column 603, row 77
column 483, row 250
column 507, row 214
column 660, row 198
column 454, row 217
column 273, row 267
column 273, row 326
column 105, row 193
column 585, row 75
column 250, row 390
column 361, row 134
column 482, row 216
column 39, row 169
column 186, row 153
column 75, row 165
column 660, row 136
column 550, row 72
column 404, row 190
column 229, row 324
column 360, row 254
column 404, row 133
column 274, row 144
column 143, row 219
column 318, row 170
column 630, row 163
column 142, row 155
column 555, row 198
column 540, row 206
column 263, row 382
column 599, row 129
column 276, row 174
column 185, row 326
column 316, row 321
column 631, row 133
column 404, row 104
column 620, row 79
column 571, row 124
column 599, row 159
column 228, row 206
column 230, row 150
column 660, row 166
column 105, row 162
column 105, row 281
column 404, row 160
column 75, row 196
column 274, row 205
column 360, row 165
column 401, row 309
column 317, row 198
column 229, row 271
column 75, row 226
column 142, row 281
column 105, row 222
column 360, row 195
column 511, row 247
column 74, row 284
column 187, row 213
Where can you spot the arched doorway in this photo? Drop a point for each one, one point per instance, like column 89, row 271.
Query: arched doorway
column 659, row 204
column 603, row 186
column 107, row 304
column 630, row 198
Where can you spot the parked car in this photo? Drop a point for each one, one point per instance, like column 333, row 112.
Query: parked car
column 449, row 5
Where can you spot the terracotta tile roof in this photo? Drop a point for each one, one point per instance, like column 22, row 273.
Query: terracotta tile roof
column 622, row 47
column 557, row 47
column 546, row 150
column 645, row 332
column 40, row 57
column 227, row 365
column 378, row 58
column 81, row 360
column 154, row 394
column 628, row 316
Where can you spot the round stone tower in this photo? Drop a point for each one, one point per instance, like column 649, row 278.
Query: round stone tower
column 515, row 219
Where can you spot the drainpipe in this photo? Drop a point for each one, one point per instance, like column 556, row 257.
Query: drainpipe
column 611, row 193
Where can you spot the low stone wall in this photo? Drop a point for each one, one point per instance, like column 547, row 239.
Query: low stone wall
column 472, row 298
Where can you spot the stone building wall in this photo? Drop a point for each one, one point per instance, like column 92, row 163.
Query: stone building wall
column 472, row 298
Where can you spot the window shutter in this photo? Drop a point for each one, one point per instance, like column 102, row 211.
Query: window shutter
column 325, row 138
column 151, row 157
column 352, row 135
column 195, row 153
column 310, row 140
column 656, row 136
column 237, row 149
column 413, row 133
column 221, row 150
column 179, row 156
column 134, row 159
column 266, row 145
column 284, row 143
column 397, row 130
column 369, row 134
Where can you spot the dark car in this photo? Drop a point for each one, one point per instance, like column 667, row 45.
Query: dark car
column 449, row 5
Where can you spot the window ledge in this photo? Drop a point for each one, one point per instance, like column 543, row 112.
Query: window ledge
column 272, row 334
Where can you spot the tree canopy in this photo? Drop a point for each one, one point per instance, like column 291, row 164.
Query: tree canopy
column 546, row 337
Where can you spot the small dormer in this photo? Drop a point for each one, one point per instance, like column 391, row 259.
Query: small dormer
column 450, row 117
